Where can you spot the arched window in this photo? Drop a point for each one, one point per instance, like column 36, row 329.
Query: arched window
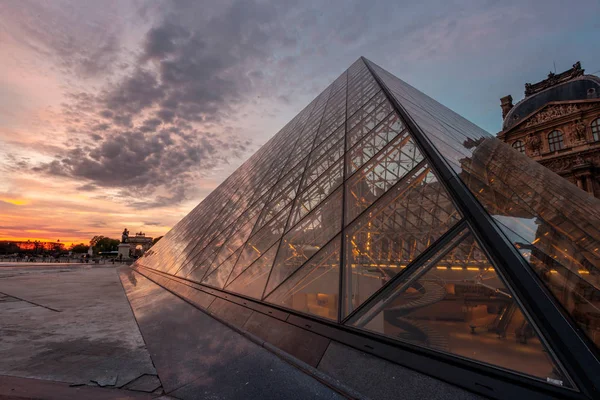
column 555, row 141
column 596, row 129
column 519, row 146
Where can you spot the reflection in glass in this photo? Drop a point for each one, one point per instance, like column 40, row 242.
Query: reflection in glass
column 306, row 238
column 388, row 236
column 219, row 276
column 395, row 210
column 457, row 303
column 315, row 194
column 251, row 281
column 554, row 225
column 314, row 288
column 380, row 174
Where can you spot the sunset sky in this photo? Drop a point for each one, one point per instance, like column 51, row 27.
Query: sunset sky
column 127, row 113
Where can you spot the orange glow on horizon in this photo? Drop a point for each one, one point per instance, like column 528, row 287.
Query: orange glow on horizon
column 43, row 239
column 14, row 201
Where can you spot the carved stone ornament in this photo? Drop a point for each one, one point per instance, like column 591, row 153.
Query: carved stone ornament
column 579, row 160
column 533, row 144
column 554, row 79
column 551, row 113
column 579, row 129
column 559, row 166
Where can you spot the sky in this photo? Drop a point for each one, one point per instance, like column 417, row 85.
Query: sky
column 127, row 113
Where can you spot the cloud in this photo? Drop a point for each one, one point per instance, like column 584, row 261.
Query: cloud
column 84, row 41
column 144, row 132
column 152, row 223
column 143, row 163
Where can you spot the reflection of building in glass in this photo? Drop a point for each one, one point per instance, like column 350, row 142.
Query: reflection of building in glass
column 382, row 213
column 558, row 125
column 557, row 235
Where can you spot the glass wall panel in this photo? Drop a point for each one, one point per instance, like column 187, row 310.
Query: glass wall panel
column 315, row 194
column 399, row 227
column 262, row 240
column 457, row 302
column 219, row 276
column 314, row 288
column 554, row 225
column 306, row 238
column 251, row 281
column 381, row 135
column 380, row 174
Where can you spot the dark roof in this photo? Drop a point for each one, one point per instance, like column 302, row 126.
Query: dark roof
column 576, row 89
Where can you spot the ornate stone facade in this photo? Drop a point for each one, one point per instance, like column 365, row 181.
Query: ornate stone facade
column 558, row 133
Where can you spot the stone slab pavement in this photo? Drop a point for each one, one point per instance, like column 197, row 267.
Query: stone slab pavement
column 69, row 323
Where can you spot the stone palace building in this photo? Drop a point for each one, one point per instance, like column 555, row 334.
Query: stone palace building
column 558, row 125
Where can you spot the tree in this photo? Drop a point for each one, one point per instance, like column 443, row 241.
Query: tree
column 79, row 248
column 156, row 240
column 104, row 244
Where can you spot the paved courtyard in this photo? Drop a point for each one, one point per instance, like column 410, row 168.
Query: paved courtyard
column 71, row 323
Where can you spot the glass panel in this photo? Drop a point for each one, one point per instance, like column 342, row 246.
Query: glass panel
column 399, row 227
column 373, row 142
column 262, row 240
column 251, row 282
column 198, row 271
column 380, row 174
column 366, row 125
column 456, row 302
column 237, row 239
column 366, row 110
column 306, row 238
column 332, row 141
column 277, row 204
column 314, row 288
column 316, row 169
column 218, row 277
column 553, row 224
column 315, row 194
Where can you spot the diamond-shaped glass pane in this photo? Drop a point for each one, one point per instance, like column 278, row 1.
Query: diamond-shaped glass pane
column 367, row 124
column 306, row 238
column 456, row 302
column 314, row 288
column 367, row 109
column 399, row 227
column 262, row 240
column 376, row 140
column 219, row 276
column 198, row 271
column 380, row 174
column 315, row 194
column 251, row 281
column 332, row 141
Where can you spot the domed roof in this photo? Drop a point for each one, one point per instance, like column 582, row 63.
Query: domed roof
column 575, row 89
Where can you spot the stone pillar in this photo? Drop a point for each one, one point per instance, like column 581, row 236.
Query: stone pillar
column 506, row 104
column 589, row 184
column 124, row 250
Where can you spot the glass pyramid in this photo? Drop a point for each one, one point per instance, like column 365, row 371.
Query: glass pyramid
column 378, row 209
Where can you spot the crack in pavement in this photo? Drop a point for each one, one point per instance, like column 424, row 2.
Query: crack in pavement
column 31, row 302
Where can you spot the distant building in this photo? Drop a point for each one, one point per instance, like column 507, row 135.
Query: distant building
column 139, row 243
column 558, row 125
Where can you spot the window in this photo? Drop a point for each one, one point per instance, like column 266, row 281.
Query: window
column 596, row 129
column 519, row 146
column 555, row 141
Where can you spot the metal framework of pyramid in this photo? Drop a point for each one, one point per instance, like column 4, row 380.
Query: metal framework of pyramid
column 378, row 210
